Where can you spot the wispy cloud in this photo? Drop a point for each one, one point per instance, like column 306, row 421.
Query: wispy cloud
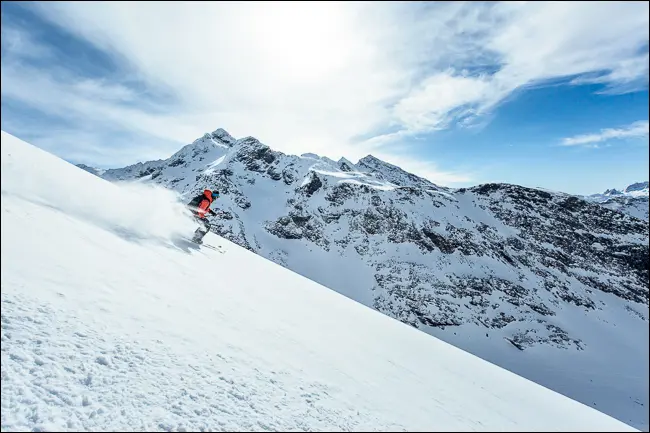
column 316, row 76
column 599, row 42
column 635, row 130
column 630, row 76
column 18, row 43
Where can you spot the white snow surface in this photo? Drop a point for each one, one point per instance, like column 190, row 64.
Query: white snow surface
column 110, row 322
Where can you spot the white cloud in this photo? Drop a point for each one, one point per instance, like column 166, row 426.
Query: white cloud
column 635, row 130
column 314, row 76
column 532, row 43
column 77, row 101
column 631, row 75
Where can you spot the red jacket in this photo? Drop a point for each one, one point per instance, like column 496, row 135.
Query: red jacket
column 201, row 204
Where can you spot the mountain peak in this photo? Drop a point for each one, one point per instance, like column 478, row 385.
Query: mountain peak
column 370, row 159
column 345, row 164
column 220, row 135
column 612, row 191
column 345, row 160
column 639, row 186
column 250, row 141
column 92, row 170
column 394, row 174
column 633, row 188
column 223, row 135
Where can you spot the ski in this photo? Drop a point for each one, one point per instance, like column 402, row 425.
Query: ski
column 212, row 247
column 215, row 248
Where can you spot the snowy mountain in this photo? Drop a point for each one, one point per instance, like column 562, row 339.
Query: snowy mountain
column 548, row 285
column 639, row 188
column 633, row 200
column 92, row 170
column 123, row 326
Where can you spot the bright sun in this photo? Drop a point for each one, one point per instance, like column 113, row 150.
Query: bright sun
column 304, row 41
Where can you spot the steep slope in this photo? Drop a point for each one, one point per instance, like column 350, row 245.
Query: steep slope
column 542, row 283
column 633, row 200
column 112, row 331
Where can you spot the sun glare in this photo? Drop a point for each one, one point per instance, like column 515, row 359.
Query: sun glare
column 305, row 41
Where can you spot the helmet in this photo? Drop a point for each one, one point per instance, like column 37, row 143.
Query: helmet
column 215, row 194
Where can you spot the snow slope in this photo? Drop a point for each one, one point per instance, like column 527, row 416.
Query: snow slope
column 109, row 322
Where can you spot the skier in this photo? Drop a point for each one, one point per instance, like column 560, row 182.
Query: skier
column 200, row 206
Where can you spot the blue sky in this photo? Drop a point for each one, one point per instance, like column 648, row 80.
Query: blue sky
column 552, row 95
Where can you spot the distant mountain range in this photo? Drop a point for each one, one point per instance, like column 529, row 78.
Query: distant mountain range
column 632, row 200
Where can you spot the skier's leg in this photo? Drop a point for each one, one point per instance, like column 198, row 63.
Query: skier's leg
column 206, row 227
column 199, row 232
column 202, row 230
